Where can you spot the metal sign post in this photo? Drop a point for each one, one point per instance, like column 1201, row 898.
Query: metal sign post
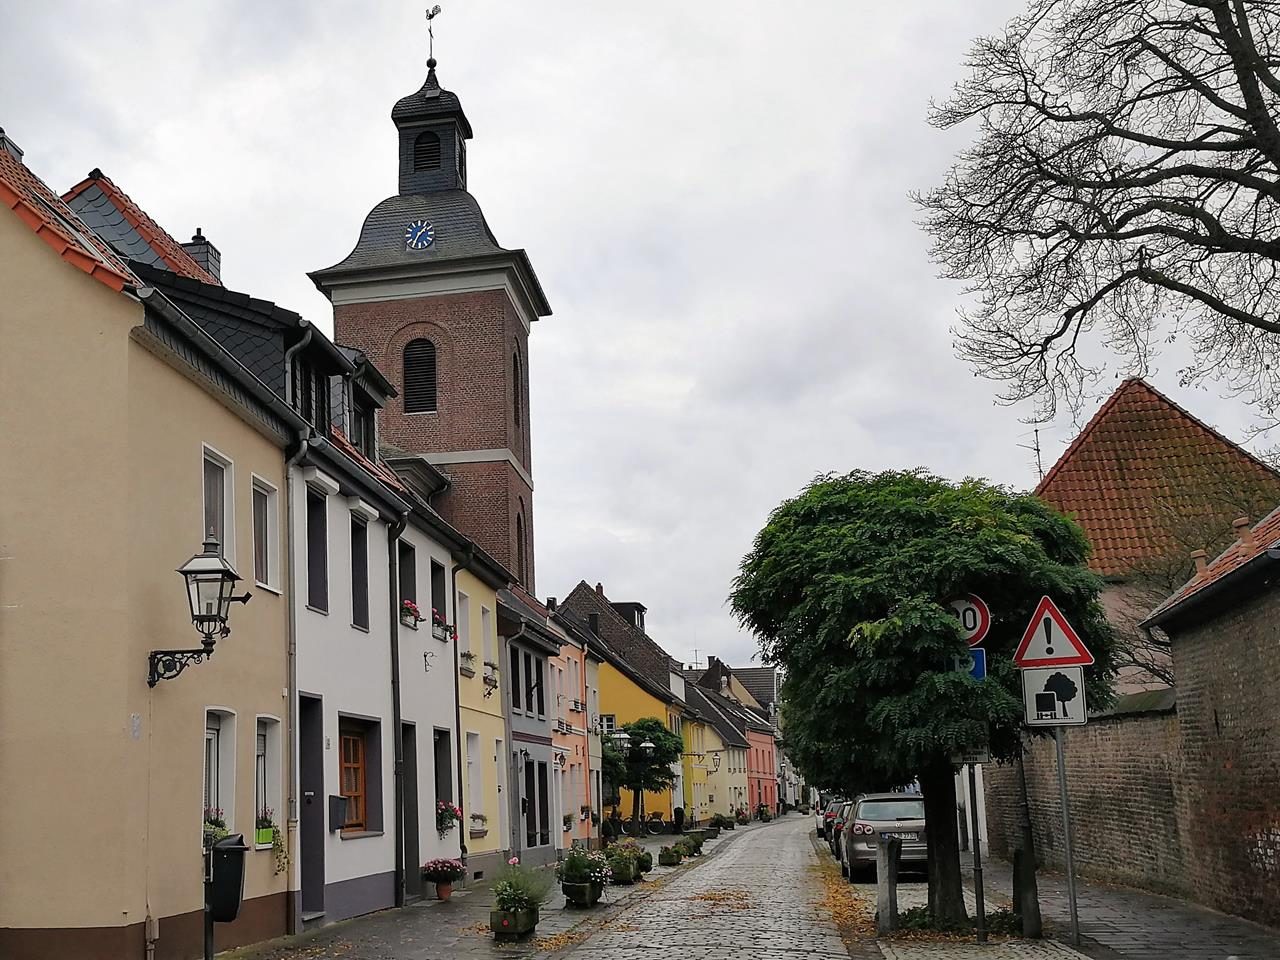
column 1066, row 837
column 977, row 855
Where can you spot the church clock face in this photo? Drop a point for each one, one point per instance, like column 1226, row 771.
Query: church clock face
column 419, row 235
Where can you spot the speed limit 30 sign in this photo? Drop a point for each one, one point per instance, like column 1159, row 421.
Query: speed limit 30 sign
column 975, row 618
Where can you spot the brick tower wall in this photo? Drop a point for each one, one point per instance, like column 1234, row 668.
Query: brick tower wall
column 476, row 335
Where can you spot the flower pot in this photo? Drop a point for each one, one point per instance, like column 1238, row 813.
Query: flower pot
column 265, row 835
column 696, row 835
column 645, row 863
column 582, row 894
column 731, row 825
column 408, row 621
column 440, row 631
column 624, row 875
column 444, row 890
column 712, row 832
column 669, row 859
column 512, row 924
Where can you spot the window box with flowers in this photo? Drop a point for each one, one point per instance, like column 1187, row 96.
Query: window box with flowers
column 410, row 615
column 479, row 825
column 440, row 628
column 467, row 663
column 265, row 827
column 215, row 825
column 447, row 815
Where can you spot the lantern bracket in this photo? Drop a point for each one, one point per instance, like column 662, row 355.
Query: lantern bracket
column 167, row 664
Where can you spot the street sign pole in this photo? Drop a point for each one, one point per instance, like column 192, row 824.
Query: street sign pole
column 1066, row 838
column 977, row 855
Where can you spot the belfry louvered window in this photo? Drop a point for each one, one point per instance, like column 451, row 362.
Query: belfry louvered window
column 426, row 151
column 420, row 376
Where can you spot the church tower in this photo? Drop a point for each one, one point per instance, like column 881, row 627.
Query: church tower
column 445, row 312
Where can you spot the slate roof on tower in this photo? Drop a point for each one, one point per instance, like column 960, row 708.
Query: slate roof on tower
column 132, row 234
column 1140, row 463
column 431, row 102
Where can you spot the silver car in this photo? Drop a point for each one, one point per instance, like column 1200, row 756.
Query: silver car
column 874, row 815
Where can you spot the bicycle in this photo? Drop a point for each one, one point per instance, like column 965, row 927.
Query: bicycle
column 655, row 825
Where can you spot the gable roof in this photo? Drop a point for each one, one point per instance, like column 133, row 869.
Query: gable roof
column 1138, row 452
column 120, row 222
column 761, row 683
column 706, row 703
column 1232, row 561
column 632, row 644
column 41, row 209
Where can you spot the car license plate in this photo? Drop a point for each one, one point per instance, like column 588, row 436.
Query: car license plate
column 900, row 836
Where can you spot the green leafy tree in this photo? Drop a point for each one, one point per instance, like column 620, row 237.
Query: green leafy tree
column 847, row 587
column 637, row 769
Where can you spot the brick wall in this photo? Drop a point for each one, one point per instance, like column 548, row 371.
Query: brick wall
column 1185, row 803
column 476, row 336
column 1122, row 776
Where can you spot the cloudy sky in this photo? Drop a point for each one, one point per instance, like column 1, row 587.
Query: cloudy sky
column 714, row 195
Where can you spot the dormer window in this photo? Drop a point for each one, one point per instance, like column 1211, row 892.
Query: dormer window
column 362, row 430
column 426, row 151
column 420, row 376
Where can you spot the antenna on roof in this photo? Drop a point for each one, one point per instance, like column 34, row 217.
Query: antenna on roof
column 1035, row 446
column 431, row 37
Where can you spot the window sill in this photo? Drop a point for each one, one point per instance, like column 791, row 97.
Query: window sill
column 359, row 834
column 323, row 613
column 408, row 623
column 262, row 846
column 356, row 626
column 267, row 587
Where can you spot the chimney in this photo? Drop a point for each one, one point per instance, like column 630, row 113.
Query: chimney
column 593, row 621
column 9, row 147
column 600, row 588
column 206, row 254
column 1244, row 533
column 1202, row 562
column 551, row 604
column 724, row 686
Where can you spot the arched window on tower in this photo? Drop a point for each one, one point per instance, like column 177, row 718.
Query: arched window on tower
column 520, row 566
column 426, row 151
column 420, row 376
column 517, row 385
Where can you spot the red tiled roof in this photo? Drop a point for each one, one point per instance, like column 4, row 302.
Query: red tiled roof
column 166, row 247
column 1266, row 534
column 376, row 467
column 57, row 224
column 1139, row 465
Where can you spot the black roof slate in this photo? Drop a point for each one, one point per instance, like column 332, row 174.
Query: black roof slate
column 102, row 217
column 430, row 102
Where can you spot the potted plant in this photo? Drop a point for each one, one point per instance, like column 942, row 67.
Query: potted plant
column 669, row 856
column 622, row 864
column 517, row 894
column 444, row 874
column 712, row 830
column 742, row 818
column 467, row 665
column 584, row 811
column 215, row 827
column 447, row 814
column 567, row 819
column 410, row 616
column 265, row 826
column 479, row 825
column 583, row 874
column 644, row 862
column 440, row 628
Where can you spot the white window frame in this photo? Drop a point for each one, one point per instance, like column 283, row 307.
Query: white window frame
column 464, row 622
column 228, row 539
column 475, row 772
column 272, row 727
column 262, row 485
column 486, row 628
column 223, row 794
column 608, row 724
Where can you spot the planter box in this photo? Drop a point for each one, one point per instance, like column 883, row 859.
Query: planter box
column 582, row 894
column 668, row 859
column 408, row 621
column 731, row 825
column 465, row 670
column 439, row 631
column 512, row 924
column 712, row 832
column 696, row 835
column 624, row 876
column 477, row 832
column 265, row 835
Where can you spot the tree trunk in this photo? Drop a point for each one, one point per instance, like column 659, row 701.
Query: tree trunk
column 1028, row 905
column 637, row 795
column 946, row 893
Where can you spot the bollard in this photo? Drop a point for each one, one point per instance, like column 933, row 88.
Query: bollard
column 888, row 852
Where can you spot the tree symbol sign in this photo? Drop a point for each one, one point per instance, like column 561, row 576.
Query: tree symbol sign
column 1063, row 689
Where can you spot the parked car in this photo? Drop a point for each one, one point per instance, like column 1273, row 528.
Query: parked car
column 837, row 827
column 874, row 814
column 819, row 812
column 828, row 814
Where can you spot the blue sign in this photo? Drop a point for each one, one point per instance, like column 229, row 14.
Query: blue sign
column 973, row 663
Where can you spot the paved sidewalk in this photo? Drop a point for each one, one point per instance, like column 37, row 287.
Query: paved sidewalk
column 433, row 930
column 1119, row 923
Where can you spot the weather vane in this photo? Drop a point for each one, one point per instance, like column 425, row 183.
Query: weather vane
column 431, row 37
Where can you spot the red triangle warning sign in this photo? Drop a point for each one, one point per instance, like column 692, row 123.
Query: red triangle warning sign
column 1049, row 641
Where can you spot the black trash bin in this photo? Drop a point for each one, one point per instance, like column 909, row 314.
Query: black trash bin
column 227, row 887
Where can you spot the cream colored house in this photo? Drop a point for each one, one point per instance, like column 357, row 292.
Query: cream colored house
column 126, row 433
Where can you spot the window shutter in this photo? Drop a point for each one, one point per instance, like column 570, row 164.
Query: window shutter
column 420, row 376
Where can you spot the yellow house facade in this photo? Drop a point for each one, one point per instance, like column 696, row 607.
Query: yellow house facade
column 624, row 698
column 724, row 752
column 483, row 736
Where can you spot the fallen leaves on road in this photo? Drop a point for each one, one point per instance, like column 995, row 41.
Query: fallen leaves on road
column 854, row 916
column 732, row 899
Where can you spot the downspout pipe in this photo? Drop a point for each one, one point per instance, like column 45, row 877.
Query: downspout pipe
column 467, row 554
column 517, row 814
column 288, row 363
column 397, row 733
column 292, row 707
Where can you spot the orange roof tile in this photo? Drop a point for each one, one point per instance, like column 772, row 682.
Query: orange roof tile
column 57, row 224
column 1139, row 464
column 166, row 247
column 1266, row 534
